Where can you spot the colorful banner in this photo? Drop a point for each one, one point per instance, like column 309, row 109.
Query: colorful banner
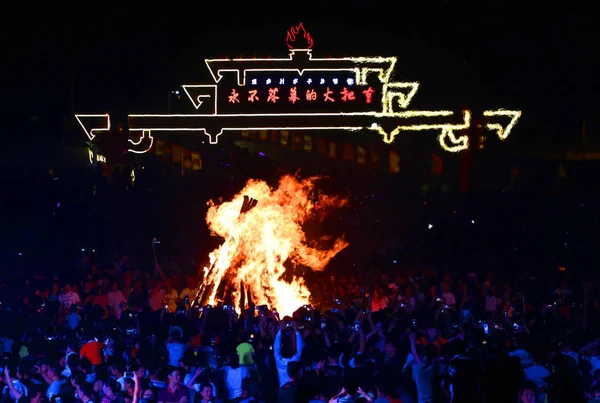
column 332, row 150
column 321, row 146
column 375, row 157
column 308, row 142
column 177, row 154
column 284, row 137
column 296, row 141
column 361, row 156
column 187, row 160
column 274, row 136
column 394, row 162
column 348, row 153
column 196, row 161
column 160, row 147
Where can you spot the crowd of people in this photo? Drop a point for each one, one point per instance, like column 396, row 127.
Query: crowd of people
column 121, row 334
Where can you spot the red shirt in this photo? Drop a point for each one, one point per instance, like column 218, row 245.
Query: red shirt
column 167, row 395
column 92, row 351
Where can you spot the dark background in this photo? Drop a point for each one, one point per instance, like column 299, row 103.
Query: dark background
column 60, row 59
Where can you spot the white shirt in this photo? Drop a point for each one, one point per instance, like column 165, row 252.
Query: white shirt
column 66, row 300
column 18, row 386
column 282, row 362
column 233, row 380
column 537, row 373
column 117, row 301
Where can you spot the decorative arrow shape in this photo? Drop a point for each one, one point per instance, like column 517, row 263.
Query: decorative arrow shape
column 402, row 93
column 93, row 124
column 502, row 131
column 201, row 97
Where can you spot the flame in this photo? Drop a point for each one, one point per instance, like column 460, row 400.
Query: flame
column 259, row 241
column 291, row 37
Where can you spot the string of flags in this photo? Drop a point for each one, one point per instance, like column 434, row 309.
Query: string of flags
column 176, row 154
column 348, row 152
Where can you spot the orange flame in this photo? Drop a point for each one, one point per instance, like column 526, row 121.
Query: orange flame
column 290, row 40
column 258, row 242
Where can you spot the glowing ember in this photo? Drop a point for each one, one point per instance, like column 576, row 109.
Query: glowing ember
column 261, row 239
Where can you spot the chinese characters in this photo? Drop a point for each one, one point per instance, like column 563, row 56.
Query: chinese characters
column 311, row 95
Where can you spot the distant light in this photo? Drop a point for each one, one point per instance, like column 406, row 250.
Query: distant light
column 472, row 221
column 394, row 262
column 176, row 92
column 58, row 204
column 262, row 154
column 94, row 250
column 83, row 249
column 430, row 226
column 20, row 254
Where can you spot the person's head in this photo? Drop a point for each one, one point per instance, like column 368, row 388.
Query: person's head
column 233, row 359
column 432, row 332
column 129, row 384
column 115, row 286
column 111, row 387
column 174, row 376
column 176, row 335
column 148, row 396
column 85, row 391
column 447, row 287
column 433, row 290
column 53, row 372
column 528, row 395
column 141, row 372
column 116, row 370
column 67, row 288
column 85, row 366
column 287, row 347
column 565, row 346
column 206, row 391
column 294, row 370
column 390, row 348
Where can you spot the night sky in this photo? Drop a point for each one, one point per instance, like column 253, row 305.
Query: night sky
column 98, row 58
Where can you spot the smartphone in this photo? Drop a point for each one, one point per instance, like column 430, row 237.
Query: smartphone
column 323, row 323
column 307, row 307
column 356, row 326
column 288, row 324
column 128, row 375
column 486, row 328
column 414, row 323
